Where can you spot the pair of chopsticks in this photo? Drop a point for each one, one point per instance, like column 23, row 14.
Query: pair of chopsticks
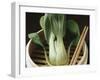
column 79, row 46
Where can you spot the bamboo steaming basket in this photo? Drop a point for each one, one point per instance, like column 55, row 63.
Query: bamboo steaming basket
column 35, row 56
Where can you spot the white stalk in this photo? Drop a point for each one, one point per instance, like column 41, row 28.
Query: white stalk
column 52, row 52
column 62, row 56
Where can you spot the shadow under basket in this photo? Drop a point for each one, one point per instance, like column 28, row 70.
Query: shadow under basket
column 35, row 55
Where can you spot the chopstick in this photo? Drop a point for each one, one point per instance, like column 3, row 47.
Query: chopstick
column 79, row 46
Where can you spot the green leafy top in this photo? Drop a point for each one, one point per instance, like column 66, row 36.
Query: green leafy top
column 35, row 38
column 73, row 28
column 53, row 23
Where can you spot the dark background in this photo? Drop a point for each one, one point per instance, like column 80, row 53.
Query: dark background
column 33, row 24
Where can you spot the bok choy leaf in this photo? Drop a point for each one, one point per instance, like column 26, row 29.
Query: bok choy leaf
column 54, row 30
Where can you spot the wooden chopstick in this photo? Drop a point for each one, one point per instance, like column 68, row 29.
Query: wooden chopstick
column 79, row 46
column 74, row 55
